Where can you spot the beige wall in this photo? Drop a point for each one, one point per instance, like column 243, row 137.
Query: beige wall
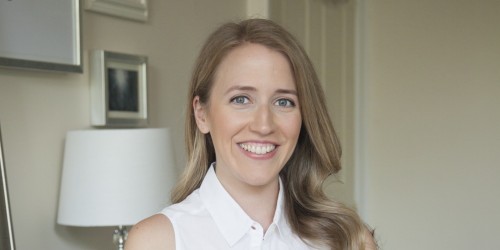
column 38, row 108
column 430, row 79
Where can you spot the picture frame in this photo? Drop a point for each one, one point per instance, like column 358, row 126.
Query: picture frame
column 6, row 229
column 118, row 89
column 130, row 9
column 41, row 35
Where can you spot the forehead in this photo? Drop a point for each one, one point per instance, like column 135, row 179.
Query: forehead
column 253, row 63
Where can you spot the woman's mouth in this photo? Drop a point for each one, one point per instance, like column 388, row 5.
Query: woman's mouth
column 257, row 148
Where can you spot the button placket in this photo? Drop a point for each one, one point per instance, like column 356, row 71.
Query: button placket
column 256, row 235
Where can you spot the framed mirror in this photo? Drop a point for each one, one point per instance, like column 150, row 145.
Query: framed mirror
column 6, row 231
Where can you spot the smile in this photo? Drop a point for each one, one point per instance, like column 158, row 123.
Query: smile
column 259, row 149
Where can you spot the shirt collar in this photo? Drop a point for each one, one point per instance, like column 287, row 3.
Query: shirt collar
column 280, row 218
column 229, row 217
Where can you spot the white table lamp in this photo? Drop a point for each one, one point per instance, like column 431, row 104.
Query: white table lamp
column 115, row 177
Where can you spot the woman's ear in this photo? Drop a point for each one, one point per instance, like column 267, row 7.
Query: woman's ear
column 200, row 115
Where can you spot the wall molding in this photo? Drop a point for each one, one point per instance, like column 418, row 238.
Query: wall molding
column 360, row 88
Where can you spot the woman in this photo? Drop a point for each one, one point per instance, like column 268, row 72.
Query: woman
column 260, row 144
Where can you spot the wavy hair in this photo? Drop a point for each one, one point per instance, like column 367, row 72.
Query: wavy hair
column 313, row 217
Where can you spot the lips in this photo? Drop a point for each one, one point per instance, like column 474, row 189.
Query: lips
column 258, row 148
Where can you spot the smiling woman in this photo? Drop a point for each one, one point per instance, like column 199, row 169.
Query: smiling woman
column 260, row 144
column 245, row 119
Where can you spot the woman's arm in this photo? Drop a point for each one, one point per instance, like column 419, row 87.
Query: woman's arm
column 369, row 240
column 153, row 233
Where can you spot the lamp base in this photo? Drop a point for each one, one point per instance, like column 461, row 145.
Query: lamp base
column 120, row 236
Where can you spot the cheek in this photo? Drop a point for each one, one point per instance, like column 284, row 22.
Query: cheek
column 225, row 124
column 291, row 127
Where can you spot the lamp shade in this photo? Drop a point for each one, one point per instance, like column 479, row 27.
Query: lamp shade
column 115, row 177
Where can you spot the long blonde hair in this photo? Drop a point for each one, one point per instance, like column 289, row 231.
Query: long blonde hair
column 313, row 217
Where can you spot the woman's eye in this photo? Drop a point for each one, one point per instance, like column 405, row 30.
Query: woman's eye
column 240, row 100
column 285, row 103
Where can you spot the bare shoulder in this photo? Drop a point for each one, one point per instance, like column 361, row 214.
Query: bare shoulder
column 369, row 240
column 155, row 232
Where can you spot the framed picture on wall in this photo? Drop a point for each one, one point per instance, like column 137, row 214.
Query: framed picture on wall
column 6, row 231
column 41, row 35
column 131, row 9
column 118, row 89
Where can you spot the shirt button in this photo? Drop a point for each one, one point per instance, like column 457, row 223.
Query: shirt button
column 253, row 227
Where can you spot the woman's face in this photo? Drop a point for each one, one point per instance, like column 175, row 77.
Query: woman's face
column 253, row 116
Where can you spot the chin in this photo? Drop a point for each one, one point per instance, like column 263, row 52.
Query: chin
column 260, row 180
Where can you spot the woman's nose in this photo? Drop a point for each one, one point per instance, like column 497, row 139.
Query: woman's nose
column 262, row 121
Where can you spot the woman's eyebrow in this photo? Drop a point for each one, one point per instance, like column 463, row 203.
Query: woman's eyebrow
column 241, row 88
column 250, row 88
column 287, row 91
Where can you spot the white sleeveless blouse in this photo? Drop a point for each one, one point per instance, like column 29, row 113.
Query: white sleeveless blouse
column 210, row 218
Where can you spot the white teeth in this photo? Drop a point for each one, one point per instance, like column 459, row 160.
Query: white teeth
column 258, row 149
